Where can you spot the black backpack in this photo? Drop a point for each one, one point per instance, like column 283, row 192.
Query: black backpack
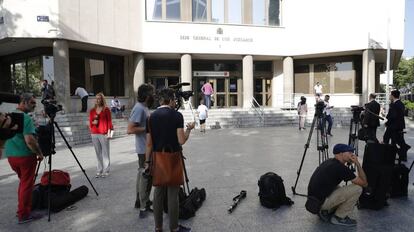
column 272, row 191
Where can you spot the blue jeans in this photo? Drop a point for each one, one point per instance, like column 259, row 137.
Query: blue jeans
column 207, row 101
column 330, row 122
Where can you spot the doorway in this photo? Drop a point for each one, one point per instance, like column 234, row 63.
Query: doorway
column 227, row 91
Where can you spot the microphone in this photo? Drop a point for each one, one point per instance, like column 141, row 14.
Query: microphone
column 9, row 98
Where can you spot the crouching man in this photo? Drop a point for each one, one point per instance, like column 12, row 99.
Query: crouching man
column 337, row 203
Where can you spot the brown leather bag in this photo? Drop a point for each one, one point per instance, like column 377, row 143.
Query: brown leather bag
column 167, row 169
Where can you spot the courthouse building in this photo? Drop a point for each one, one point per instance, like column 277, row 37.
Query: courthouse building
column 272, row 51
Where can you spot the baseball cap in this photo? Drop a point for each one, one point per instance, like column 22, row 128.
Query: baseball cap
column 340, row 147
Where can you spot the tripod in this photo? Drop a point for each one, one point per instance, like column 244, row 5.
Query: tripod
column 353, row 134
column 321, row 144
column 49, row 150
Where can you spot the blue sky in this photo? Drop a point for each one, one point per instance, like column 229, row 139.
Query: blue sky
column 409, row 29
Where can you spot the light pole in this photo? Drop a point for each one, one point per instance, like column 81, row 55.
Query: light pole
column 387, row 86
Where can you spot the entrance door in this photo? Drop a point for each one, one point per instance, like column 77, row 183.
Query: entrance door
column 226, row 91
column 263, row 91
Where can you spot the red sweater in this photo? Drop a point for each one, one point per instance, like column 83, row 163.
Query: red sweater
column 104, row 121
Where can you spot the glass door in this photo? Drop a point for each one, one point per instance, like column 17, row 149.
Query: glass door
column 263, row 91
column 220, row 95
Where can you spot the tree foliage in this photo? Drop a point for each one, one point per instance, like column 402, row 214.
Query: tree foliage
column 404, row 74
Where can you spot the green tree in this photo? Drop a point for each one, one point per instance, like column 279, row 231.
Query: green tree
column 405, row 73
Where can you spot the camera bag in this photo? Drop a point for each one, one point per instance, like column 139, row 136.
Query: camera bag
column 272, row 192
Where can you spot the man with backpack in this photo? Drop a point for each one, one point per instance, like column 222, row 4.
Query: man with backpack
column 336, row 203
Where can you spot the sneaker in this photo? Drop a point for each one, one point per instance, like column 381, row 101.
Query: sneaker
column 105, row 174
column 343, row 221
column 29, row 218
column 183, row 229
column 324, row 215
column 98, row 175
column 330, row 134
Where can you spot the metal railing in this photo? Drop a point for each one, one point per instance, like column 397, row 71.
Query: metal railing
column 258, row 109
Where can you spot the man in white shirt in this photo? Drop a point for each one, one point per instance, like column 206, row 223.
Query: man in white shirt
column 318, row 89
column 83, row 94
column 202, row 115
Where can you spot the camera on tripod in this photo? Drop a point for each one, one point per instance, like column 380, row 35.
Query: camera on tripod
column 51, row 107
column 180, row 95
column 319, row 107
column 356, row 112
column 16, row 118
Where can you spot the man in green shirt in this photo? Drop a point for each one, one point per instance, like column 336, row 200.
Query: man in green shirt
column 23, row 152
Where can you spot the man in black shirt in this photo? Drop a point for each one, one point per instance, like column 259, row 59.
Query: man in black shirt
column 337, row 201
column 165, row 133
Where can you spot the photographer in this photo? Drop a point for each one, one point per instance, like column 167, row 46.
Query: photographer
column 137, row 125
column 337, row 203
column 370, row 121
column 165, row 133
column 23, row 152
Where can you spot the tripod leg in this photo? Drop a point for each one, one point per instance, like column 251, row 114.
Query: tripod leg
column 37, row 172
column 303, row 157
column 49, row 187
column 185, row 175
column 74, row 156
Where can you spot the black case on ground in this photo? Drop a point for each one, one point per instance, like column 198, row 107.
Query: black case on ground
column 378, row 164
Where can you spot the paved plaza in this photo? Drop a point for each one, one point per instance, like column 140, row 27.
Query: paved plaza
column 224, row 162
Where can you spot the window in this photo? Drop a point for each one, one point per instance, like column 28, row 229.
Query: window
column 336, row 75
column 154, row 9
column 173, row 10
column 274, row 12
column 302, row 79
column 322, row 75
column 26, row 75
column 234, row 11
column 217, row 11
column 266, row 12
column 344, row 75
column 199, row 10
column 259, row 13
column 96, row 72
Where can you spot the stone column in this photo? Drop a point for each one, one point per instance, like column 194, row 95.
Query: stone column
column 186, row 75
column 368, row 74
column 62, row 76
column 247, row 81
column 288, row 80
column 186, row 68
column 277, row 84
column 139, row 72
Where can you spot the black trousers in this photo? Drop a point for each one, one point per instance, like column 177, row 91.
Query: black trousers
column 84, row 104
column 396, row 136
column 372, row 134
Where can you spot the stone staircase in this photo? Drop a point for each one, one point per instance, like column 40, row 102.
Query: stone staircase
column 75, row 125
column 75, row 128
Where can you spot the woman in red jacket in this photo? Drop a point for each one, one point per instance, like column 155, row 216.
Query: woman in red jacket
column 100, row 123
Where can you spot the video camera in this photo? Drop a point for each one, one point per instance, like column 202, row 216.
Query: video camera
column 356, row 112
column 180, row 95
column 319, row 107
column 16, row 118
column 51, row 107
